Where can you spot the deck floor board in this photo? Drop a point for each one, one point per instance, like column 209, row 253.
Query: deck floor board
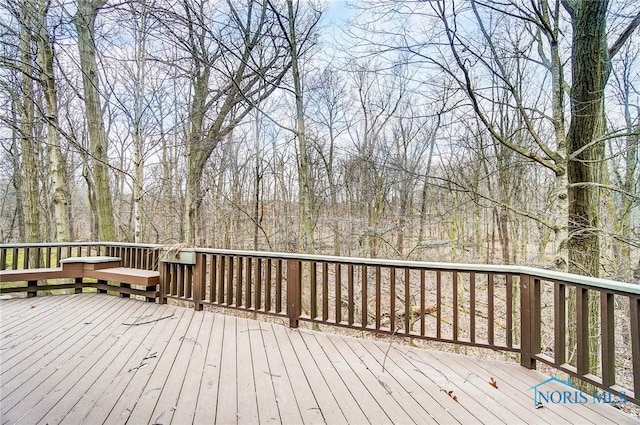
column 76, row 359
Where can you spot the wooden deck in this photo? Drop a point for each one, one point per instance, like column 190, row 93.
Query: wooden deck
column 92, row 358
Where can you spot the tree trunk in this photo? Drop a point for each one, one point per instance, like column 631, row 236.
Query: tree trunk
column 84, row 21
column 29, row 165
column 306, row 223
column 591, row 68
column 57, row 163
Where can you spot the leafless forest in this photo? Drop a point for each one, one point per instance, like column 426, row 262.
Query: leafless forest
column 463, row 131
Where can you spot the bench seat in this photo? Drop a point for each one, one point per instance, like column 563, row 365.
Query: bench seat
column 103, row 269
column 30, row 275
column 125, row 275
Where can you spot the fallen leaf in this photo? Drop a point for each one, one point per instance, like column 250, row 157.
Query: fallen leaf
column 493, row 382
column 33, row 306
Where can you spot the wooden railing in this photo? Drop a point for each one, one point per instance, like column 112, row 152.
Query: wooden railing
column 588, row 328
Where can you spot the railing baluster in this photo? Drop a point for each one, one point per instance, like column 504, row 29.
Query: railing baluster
column 314, row 289
column 490, row 309
column 221, row 273
column 365, row 296
column 509, row 319
column 294, row 282
column 472, row 307
column 213, row 278
column 634, row 314
column 199, row 280
column 378, row 296
column 258, row 281
column 267, row 289
column 582, row 330
column 350, row 292
column 239, row 280
column 560, row 323
column 248, row 282
column 454, row 290
column 607, row 329
column 392, row 299
column 338, row 293
column 407, row 302
column 438, row 304
column 422, row 301
column 230, row 280
column 325, row 291
column 279, row 286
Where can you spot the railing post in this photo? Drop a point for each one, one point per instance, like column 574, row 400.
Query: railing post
column 294, row 281
column 199, row 276
column 529, row 320
column 163, row 268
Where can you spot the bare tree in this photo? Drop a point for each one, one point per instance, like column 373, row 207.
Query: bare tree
column 84, row 20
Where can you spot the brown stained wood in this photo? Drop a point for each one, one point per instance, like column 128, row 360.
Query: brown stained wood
column 205, row 410
column 509, row 301
column 459, row 381
column 371, row 409
column 23, row 275
column 239, row 280
column 227, row 394
column 472, row 307
column 69, row 368
column 279, row 277
column 221, row 266
column 582, row 330
column 188, row 399
column 297, row 376
column 351, row 409
column 182, row 374
column 265, row 392
column 313, row 287
column 283, row 388
column 526, row 326
column 112, row 381
column 230, row 265
column 378, row 297
column 350, row 295
column 634, row 316
column 421, row 388
column 376, row 386
column 247, row 390
column 364, row 296
column 438, row 304
column 213, row 288
column 321, row 389
column 338, row 292
column 126, row 275
column 407, row 302
column 267, row 284
column 518, row 382
column 392, row 299
column 325, row 291
column 560, row 323
column 248, row 264
column 422, row 301
column 456, row 311
column 25, row 358
column 393, row 387
column 143, row 407
column 307, row 403
column 258, row 280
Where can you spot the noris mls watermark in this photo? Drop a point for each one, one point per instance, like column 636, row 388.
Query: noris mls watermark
column 547, row 392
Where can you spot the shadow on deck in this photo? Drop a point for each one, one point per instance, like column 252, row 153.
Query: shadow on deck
column 91, row 358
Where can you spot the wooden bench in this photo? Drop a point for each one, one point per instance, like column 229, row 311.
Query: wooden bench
column 102, row 268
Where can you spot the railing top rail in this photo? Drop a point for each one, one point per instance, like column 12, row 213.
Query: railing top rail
column 605, row 284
